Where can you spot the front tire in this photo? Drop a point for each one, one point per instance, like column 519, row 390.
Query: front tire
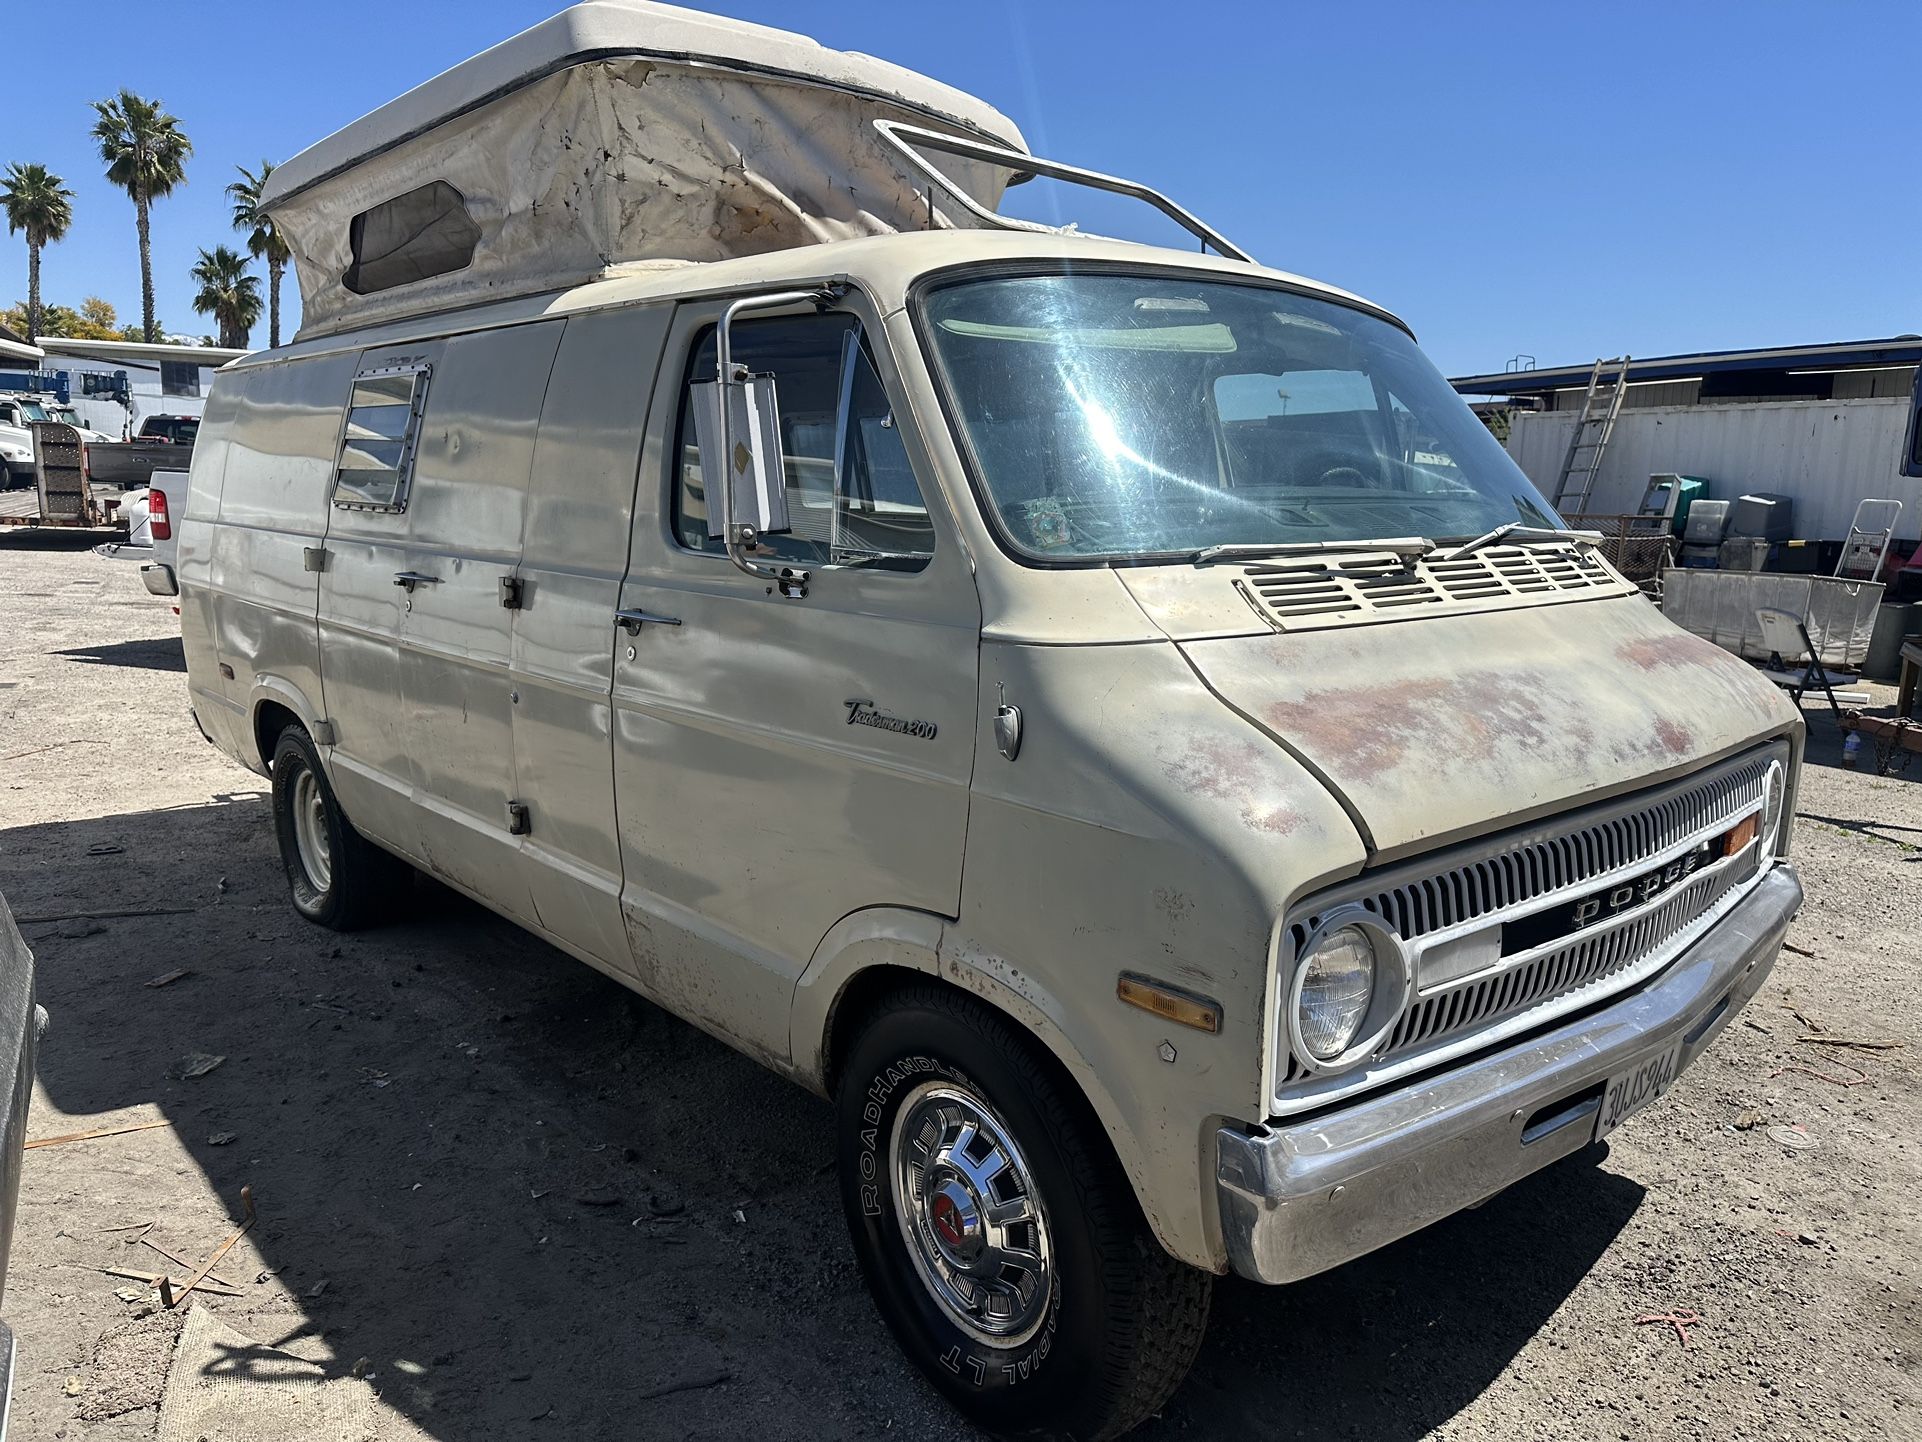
column 338, row 878
column 995, row 1227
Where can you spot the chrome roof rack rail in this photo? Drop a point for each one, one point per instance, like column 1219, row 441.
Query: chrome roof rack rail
column 905, row 138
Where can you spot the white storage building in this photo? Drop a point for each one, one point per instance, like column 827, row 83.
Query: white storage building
column 162, row 380
column 1827, row 425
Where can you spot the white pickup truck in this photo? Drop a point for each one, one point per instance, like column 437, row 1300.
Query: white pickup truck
column 150, row 514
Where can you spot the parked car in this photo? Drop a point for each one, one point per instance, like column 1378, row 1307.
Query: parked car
column 17, row 416
column 151, row 523
column 1110, row 717
column 18, row 413
column 163, row 441
column 69, row 416
column 148, row 514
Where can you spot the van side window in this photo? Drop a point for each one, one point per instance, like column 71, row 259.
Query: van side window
column 377, row 446
column 851, row 493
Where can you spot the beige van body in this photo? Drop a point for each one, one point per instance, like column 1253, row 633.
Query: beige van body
column 1108, row 717
column 685, row 804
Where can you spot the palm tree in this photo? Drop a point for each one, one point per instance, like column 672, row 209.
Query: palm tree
column 146, row 156
column 38, row 202
column 227, row 293
column 264, row 240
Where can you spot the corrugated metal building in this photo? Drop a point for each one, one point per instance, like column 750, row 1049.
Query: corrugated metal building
column 1828, row 425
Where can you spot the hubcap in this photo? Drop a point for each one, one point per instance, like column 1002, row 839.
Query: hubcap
column 968, row 1208
column 310, row 831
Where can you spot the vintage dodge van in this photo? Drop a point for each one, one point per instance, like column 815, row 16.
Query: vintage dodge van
column 1109, row 717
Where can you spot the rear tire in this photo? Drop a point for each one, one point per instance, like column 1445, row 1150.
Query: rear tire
column 997, row 1231
column 338, row 878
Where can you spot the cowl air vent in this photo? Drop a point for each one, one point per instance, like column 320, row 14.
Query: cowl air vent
column 1313, row 593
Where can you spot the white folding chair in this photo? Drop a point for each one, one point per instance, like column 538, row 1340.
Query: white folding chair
column 1787, row 637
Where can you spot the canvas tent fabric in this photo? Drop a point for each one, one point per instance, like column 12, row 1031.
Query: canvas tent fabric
column 616, row 134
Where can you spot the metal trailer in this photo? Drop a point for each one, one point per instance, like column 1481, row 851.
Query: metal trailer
column 1721, row 606
column 62, row 494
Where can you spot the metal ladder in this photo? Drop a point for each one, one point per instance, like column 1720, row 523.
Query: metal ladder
column 1589, row 439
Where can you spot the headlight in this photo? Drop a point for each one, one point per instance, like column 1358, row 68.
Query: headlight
column 1337, row 984
column 1350, row 985
column 1774, row 793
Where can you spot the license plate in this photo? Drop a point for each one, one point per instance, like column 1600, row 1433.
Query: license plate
column 1629, row 1091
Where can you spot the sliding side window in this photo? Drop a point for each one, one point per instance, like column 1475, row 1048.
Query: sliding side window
column 377, row 446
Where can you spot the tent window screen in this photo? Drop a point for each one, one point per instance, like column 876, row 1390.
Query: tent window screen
column 423, row 233
column 377, row 445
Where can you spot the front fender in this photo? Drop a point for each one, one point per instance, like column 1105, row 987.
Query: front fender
column 920, row 942
column 890, row 936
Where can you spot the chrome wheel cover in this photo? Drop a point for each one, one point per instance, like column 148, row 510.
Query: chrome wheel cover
column 969, row 1212
column 310, row 830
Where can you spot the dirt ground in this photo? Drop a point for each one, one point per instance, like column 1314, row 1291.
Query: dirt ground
column 525, row 1202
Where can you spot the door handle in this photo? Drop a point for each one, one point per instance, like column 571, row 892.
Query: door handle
column 411, row 579
column 634, row 620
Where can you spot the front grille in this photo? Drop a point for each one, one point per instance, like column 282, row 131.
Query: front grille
column 1523, row 876
column 1310, row 594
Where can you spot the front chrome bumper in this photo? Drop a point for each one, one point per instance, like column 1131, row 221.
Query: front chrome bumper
column 1296, row 1200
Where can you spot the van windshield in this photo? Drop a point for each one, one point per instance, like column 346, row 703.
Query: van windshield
column 1129, row 416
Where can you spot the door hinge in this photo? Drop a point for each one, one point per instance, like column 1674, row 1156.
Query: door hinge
column 513, row 591
column 313, row 558
column 517, row 822
column 323, row 733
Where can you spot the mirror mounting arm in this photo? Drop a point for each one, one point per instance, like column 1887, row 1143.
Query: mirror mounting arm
column 791, row 581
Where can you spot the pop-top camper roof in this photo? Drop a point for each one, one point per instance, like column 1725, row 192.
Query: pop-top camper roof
column 616, row 133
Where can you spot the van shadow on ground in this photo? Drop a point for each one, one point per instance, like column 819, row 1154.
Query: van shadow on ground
column 162, row 653
column 522, row 1181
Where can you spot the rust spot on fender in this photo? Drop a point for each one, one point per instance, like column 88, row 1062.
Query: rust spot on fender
column 1237, row 772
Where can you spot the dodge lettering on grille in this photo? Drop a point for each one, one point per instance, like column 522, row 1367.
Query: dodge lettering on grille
column 1529, row 932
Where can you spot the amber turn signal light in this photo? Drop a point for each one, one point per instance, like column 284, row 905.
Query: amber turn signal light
column 1169, row 1003
column 1740, row 834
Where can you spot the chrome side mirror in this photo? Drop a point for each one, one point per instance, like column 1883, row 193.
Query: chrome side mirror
column 737, row 419
column 749, row 444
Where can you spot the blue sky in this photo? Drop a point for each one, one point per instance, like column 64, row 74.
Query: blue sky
column 1558, row 180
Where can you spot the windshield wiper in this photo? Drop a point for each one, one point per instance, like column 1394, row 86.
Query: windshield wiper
column 1520, row 531
column 1408, row 547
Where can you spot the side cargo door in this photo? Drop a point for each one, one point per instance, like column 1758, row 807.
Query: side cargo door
column 465, row 517
column 579, row 516
column 372, row 762
column 780, row 763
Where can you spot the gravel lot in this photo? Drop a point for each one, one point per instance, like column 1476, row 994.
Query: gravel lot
column 521, row 1198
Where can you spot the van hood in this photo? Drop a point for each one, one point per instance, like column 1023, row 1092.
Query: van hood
column 1434, row 729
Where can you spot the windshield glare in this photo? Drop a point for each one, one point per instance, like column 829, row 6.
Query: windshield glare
column 1120, row 416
